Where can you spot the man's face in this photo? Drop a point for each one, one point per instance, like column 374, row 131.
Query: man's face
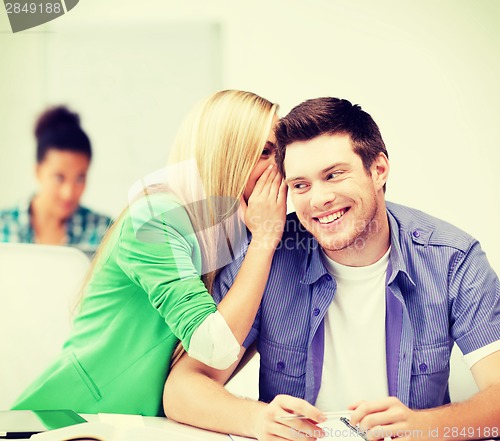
column 334, row 196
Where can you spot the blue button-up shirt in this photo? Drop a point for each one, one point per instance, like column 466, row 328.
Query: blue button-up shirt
column 85, row 228
column 440, row 289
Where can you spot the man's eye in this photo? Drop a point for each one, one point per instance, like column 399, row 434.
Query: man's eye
column 299, row 185
column 333, row 175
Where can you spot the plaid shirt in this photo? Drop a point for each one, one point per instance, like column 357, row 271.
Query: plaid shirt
column 84, row 229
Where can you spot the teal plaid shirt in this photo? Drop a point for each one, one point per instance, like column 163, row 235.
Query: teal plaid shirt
column 85, row 228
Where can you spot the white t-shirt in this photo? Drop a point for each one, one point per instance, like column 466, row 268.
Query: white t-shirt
column 354, row 364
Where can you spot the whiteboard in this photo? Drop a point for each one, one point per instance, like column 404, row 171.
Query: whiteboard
column 131, row 84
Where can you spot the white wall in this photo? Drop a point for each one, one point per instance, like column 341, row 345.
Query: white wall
column 131, row 82
column 427, row 72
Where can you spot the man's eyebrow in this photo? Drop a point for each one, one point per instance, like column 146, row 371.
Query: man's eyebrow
column 270, row 144
column 322, row 172
column 334, row 166
column 297, row 178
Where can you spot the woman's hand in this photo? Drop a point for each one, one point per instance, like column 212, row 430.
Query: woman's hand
column 272, row 423
column 265, row 215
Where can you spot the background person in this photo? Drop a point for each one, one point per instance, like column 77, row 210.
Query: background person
column 363, row 303
column 54, row 216
column 151, row 281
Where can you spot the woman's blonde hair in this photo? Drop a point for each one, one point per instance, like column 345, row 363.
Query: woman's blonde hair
column 221, row 140
column 224, row 136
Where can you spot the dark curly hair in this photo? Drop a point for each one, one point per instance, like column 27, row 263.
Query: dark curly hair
column 59, row 128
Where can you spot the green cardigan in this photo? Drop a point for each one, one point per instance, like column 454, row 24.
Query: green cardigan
column 144, row 296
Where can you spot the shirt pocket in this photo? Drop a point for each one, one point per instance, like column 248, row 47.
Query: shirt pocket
column 282, row 370
column 429, row 376
column 85, row 377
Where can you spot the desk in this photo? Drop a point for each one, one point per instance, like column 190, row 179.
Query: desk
column 171, row 427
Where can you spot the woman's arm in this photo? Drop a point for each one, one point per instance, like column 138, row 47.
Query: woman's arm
column 265, row 217
column 217, row 341
column 157, row 251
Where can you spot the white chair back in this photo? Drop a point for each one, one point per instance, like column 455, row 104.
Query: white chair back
column 39, row 288
column 461, row 383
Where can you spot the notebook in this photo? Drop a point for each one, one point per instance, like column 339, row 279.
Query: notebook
column 24, row 423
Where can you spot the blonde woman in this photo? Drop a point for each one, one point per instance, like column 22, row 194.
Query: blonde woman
column 150, row 283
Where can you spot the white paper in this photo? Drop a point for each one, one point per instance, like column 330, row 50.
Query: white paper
column 164, row 430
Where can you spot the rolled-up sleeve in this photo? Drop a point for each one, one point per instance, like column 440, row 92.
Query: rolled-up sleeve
column 213, row 343
column 159, row 252
column 475, row 294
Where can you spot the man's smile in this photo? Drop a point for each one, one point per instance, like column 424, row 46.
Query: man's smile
column 331, row 217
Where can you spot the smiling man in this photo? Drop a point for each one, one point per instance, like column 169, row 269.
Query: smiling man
column 363, row 304
column 342, row 204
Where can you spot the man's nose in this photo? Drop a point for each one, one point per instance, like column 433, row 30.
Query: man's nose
column 321, row 195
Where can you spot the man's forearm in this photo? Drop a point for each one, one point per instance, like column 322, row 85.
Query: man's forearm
column 195, row 399
column 478, row 417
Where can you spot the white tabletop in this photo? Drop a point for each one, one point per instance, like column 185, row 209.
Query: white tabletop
column 175, row 430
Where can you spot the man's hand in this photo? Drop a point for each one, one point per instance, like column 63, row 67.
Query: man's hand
column 390, row 418
column 271, row 426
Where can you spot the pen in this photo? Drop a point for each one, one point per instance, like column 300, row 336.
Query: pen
column 303, row 417
column 354, row 429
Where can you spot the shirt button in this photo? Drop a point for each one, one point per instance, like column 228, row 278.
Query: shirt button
column 316, row 312
column 280, row 365
column 328, row 277
column 423, row 367
column 416, row 233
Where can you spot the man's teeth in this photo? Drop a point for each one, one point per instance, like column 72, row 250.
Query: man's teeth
column 331, row 217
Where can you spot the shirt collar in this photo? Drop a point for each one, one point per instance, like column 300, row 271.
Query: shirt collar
column 24, row 219
column 314, row 267
column 397, row 263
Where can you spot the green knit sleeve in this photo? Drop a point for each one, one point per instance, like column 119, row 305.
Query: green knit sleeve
column 159, row 252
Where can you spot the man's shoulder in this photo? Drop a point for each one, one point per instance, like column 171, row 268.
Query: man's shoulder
column 296, row 238
column 426, row 230
column 293, row 226
column 294, row 244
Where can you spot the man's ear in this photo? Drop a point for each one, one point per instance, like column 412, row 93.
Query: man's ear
column 380, row 170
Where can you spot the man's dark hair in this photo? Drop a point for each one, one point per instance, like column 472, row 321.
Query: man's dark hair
column 58, row 128
column 330, row 116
